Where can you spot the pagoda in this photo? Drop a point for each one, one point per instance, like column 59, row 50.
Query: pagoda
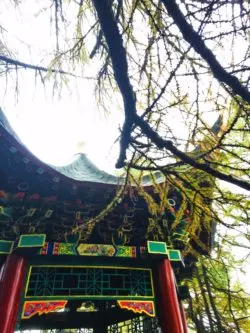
column 75, row 250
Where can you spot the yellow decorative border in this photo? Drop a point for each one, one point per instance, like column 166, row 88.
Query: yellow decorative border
column 158, row 243
column 41, row 312
column 137, row 310
column 11, row 248
column 44, row 240
column 91, row 296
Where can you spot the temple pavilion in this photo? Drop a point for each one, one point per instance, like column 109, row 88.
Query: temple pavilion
column 76, row 252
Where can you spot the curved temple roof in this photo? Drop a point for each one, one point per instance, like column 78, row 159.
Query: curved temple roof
column 54, row 200
column 82, row 169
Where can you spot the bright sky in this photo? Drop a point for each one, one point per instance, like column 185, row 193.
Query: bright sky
column 54, row 127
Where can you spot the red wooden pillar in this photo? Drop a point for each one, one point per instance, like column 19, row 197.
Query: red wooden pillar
column 171, row 320
column 11, row 285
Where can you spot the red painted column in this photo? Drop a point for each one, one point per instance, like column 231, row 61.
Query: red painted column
column 170, row 313
column 12, row 277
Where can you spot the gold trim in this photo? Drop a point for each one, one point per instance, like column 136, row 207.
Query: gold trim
column 27, row 281
column 100, row 297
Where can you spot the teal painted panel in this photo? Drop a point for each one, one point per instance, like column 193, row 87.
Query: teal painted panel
column 33, row 240
column 157, row 247
column 174, row 255
column 6, row 246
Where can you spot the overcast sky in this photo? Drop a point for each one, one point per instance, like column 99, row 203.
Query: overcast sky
column 53, row 127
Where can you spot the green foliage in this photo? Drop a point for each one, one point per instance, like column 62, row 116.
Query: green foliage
column 219, row 302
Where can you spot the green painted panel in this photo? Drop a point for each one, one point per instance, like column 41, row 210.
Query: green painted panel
column 33, row 240
column 89, row 282
column 6, row 246
column 174, row 255
column 157, row 247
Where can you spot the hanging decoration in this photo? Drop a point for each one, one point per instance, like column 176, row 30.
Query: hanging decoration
column 31, row 308
column 146, row 307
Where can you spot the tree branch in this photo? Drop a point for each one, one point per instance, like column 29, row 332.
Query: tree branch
column 212, row 301
column 17, row 63
column 120, row 67
column 161, row 143
column 193, row 38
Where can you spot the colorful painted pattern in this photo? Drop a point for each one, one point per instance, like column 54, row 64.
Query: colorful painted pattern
column 96, row 250
column 55, row 249
column 126, row 251
column 146, row 307
column 106, row 250
column 32, row 308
